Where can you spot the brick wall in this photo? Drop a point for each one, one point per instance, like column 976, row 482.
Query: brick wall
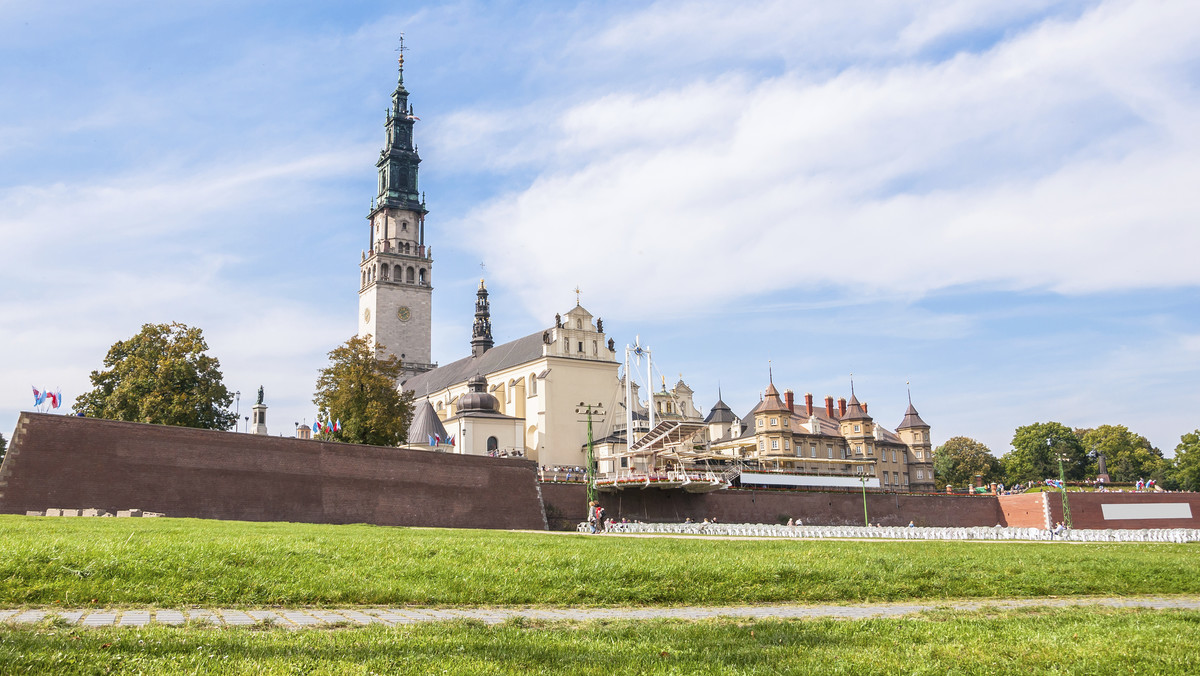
column 1106, row 510
column 69, row 462
column 1024, row 511
column 565, row 503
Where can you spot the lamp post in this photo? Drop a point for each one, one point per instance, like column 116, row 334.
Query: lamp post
column 863, row 479
column 590, row 410
column 1062, row 483
column 237, row 407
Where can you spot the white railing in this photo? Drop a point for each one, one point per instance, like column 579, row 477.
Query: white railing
column 1177, row 535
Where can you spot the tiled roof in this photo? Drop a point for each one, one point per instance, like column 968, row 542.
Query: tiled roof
column 498, row 358
column 911, row 419
column 425, row 424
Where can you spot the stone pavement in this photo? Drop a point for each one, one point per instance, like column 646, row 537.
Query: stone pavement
column 298, row 618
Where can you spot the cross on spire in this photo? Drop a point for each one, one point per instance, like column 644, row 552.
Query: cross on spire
column 401, row 49
column 577, row 294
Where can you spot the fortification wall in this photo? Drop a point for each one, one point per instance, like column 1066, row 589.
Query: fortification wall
column 70, row 462
column 565, row 504
column 1024, row 511
column 1128, row 510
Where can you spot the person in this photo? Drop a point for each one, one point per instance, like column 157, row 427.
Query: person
column 600, row 516
column 799, row 522
column 911, row 524
column 791, row 521
column 592, row 516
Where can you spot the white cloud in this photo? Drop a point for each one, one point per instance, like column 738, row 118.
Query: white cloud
column 1060, row 158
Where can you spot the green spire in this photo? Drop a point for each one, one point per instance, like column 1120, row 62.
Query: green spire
column 398, row 161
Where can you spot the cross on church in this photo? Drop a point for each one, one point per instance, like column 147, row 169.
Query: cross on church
column 577, row 294
column 401, row 49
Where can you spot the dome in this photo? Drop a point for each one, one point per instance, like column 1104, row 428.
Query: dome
column 477, row 397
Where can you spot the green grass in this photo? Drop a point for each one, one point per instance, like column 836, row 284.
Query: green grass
column 1076, row 641
column 176, row 562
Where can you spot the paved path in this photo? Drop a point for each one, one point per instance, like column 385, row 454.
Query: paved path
column 297, row 618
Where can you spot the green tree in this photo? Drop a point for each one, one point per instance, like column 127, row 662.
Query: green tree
column 1035, row 451
column 1185, row 470
column 3, row 447
column 162, row 375
column 360, row 390
column 960, row 459
column 1128, row 456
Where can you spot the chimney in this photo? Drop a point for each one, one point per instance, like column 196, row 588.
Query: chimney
column 808, row 403
column 864, row 405
column 789, row 397
column 829, row 405
column 841, row 406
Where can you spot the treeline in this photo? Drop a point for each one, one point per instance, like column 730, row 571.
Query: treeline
column 1037, row 449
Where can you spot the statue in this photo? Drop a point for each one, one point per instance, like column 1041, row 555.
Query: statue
column 546, row 337
column 599, row 325
column 260, row 394
column 557, row 321
column 612, row 345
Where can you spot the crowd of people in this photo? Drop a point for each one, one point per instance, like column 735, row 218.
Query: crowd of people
column 561, row 473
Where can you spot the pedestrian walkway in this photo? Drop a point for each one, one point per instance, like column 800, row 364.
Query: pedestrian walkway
column 299, row 618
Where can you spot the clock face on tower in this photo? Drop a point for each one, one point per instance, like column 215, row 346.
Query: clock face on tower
column 366, row 315
column 404, row 314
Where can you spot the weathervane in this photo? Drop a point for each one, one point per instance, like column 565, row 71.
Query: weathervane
column 401, row 49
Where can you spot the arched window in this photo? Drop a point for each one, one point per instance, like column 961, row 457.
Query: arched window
column 410, row 275
column 404, row 226
column 421, row 277
column 532, row 383
column 364, row 277
column 492, row 444
column 384, row 271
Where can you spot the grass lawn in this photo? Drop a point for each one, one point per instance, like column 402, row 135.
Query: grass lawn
column 1033, row 641
column 176, row 562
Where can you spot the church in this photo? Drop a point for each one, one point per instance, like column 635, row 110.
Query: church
column 529, row 397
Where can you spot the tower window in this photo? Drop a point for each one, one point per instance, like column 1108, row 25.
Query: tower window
column 404, row 226
column 411, row 273
column 421, row 276
column 581, row 347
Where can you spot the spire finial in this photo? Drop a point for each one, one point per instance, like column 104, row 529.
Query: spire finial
column 908, row 384
column 577, row 294
column 719, row 397
column 851, row 384
column 770, row 373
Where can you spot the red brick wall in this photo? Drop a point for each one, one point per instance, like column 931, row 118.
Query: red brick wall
column 69, row 462
column 749, row 506
column 1024, row 511
column 1087, row 509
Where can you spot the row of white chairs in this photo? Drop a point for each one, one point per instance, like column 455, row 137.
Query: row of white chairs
column 1179, row 535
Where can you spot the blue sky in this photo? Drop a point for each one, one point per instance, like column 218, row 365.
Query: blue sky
column 994, row 201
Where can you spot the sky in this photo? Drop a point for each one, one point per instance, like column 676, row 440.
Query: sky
column 993, row 203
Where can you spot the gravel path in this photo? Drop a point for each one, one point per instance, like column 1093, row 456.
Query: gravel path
column 297, row 618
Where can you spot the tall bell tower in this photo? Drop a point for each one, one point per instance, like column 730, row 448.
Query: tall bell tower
column 396, row 272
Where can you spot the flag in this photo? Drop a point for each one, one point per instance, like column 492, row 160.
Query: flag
column 431, row 440
column 53, row 399
column 37, row 397
column 316, row 427
column 438, row 439
column 337, row 425
column 450, row 439
column 412, row 117
column 57, row 398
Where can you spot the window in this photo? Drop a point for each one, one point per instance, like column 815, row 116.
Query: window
column 581, row 347
column 894, row 455
column 829, row 448
column 857, row 428
column 787, row 445
column 871, row 450
column 404, row 226
column 885, row 479
column 786, row 422
column 532, row 384
column 920, row 474
column 492, row 444
column 814, row 450
column 918, row 453
column 774, row 444
column 410, row 276
column 760, row 422
column 858, row 449
column 762, row 445
column 774, row 422
column 421, row 276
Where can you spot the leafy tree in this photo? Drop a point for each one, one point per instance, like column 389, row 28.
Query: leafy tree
column 1128, row 456
column 162, row 375
column 1185, row 470
column 3, row 447
column 359, row 389
column 960, row 459
column 1035, row 451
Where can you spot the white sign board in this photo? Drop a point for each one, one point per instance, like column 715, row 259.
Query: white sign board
column 1154, row 510
column 808, row 481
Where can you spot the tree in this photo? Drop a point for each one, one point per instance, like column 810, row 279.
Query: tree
column 162, row 375
column 1035, row 451
column 3, row 447
column 1128, row 456
column 960, row 459
column 359, row 389
column 1185, row 470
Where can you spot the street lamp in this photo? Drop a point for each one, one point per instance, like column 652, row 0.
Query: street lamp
column 1062, row 482
column 590, row 410
column 237, row 407
column 863, row 479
